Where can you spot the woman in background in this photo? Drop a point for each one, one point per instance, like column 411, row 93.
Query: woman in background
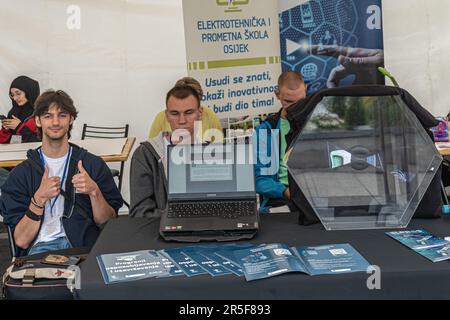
column 19, row 125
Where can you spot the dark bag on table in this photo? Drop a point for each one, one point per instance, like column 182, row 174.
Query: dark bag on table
column 29, row 278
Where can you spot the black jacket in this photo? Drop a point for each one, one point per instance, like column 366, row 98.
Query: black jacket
column 25, row 179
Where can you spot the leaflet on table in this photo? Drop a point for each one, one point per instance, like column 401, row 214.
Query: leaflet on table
column 211, row 266
column 189, row 266
column 131, row 266
column 267, row 261
column 211, row 252
column 226, row 253
column 417, row 239
column 436, row 254
column 172, row 268
column 224, row 262
column 203, row 255
column 274, row 259
column 331, row 259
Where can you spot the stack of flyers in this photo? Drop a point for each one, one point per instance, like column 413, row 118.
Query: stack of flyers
column 424, row 243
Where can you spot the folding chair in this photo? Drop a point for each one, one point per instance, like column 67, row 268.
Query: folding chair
column 108, row 133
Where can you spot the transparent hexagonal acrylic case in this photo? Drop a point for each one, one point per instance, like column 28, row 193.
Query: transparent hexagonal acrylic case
column 363, row 162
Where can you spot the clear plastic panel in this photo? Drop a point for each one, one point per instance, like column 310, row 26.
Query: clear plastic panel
column 363, row 162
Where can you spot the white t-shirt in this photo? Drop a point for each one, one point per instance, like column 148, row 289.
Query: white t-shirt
column 52, row 228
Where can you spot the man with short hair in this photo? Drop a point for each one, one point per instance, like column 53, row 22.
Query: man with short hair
column 211, row 126
column 148, row 177
column 270, row 170
column 61, row 194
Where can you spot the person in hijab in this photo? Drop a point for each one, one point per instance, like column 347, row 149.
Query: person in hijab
column 19, row 125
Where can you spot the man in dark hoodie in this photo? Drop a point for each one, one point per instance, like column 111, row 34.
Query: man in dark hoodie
column 269, row 139
column 148, row 182
column 61, row 194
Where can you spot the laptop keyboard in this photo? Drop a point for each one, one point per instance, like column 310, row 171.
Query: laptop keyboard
column 222, row 209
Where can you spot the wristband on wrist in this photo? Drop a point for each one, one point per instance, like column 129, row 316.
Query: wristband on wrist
column 33, row 216
column 34, row 202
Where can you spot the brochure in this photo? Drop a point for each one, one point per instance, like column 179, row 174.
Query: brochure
column 211, row 266
column 274, row 259
column 424, row 243
column 172, row 269
column 417, row 239
column 131, row 266
column 226, row 253
column 189, row 266
column 331, row 259
column 436, row 254
column 235, row 269
column 267, row 261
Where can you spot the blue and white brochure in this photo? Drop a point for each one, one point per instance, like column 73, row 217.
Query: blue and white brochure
column 212, row 267
column 172, row 269
column 212, row 252
column 417, row 239
column 226, row 254
column 331, row 259
column 130, row 266
column 189, row 266
column 436, row 254
column 224, row 262
column 268, row 261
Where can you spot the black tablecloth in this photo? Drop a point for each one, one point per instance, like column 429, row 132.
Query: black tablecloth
column 404, row 273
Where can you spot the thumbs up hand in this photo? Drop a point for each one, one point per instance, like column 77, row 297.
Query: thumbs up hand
column 83, row 183
column 50, row 187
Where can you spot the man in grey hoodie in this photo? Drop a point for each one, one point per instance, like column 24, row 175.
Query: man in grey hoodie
column 148, row 177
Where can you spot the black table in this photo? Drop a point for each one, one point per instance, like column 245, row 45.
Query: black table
column 404, row 273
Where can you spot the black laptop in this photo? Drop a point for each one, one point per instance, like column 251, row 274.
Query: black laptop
column 211, row 193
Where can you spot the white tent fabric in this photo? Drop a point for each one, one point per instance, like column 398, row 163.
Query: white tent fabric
column 127, row 54
column 417, row 49
column 117, row 67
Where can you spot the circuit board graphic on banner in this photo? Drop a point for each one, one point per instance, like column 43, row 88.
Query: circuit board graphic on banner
column 232, row 48
column 332, row 42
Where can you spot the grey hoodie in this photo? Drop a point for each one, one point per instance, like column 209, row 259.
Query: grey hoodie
column 148, row 179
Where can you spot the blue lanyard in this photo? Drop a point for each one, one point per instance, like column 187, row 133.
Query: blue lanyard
column 66, row 164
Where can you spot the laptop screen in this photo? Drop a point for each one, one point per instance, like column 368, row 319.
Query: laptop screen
column 210, row 170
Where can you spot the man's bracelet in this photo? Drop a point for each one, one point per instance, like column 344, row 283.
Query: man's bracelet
column 34, row 202
column 33, row 216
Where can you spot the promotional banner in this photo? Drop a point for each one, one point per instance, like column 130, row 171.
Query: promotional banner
column 332, row 42
column 233, row 49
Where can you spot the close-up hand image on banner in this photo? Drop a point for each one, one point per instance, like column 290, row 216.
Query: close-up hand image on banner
column 232, row 48
column 332, row 42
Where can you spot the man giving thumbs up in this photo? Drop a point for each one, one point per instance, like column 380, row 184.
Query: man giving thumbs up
column 59, row 197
